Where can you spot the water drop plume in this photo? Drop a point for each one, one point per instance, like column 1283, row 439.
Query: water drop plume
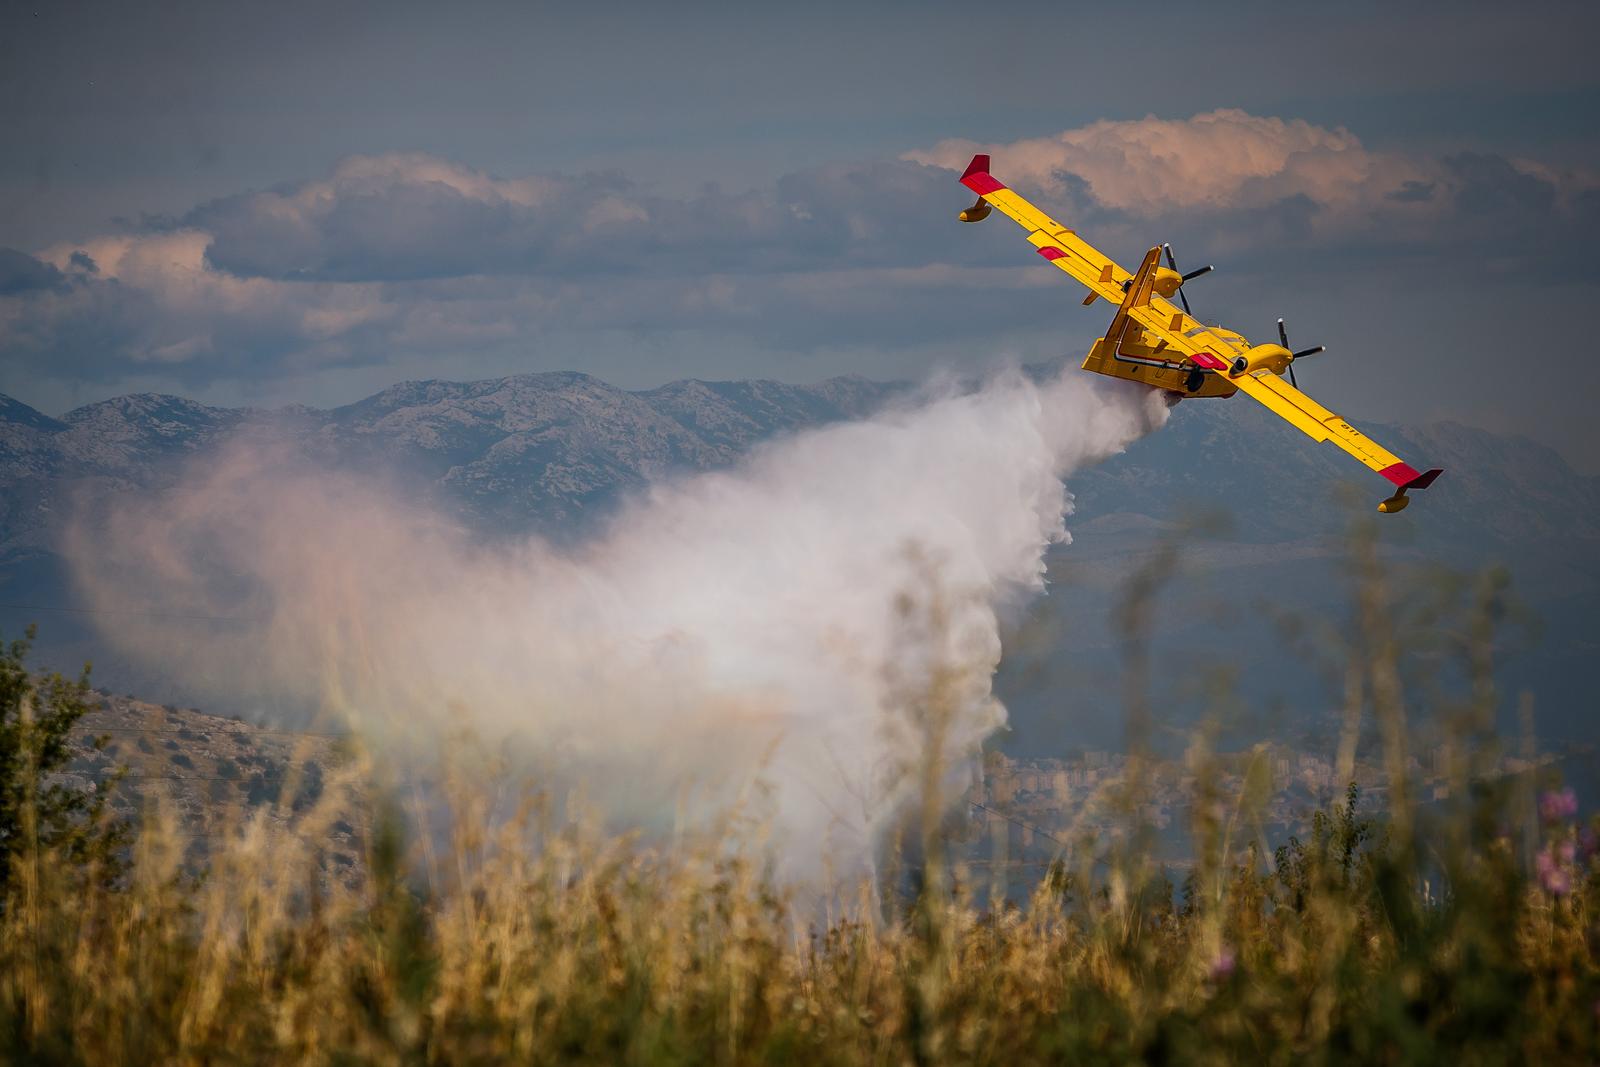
column 786, row 620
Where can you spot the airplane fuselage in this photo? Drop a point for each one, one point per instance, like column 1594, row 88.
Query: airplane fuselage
column 1157, row 368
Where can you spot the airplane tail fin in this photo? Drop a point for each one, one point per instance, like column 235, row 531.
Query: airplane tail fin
column 1137, row 295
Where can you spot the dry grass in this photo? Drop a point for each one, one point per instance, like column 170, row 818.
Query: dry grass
column 530, row 938
column 557, row 944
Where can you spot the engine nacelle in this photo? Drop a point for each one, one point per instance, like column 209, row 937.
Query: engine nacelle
column 1275, row 358
column 1167, row 283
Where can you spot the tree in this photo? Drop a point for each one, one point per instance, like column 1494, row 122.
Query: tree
column 37, row 715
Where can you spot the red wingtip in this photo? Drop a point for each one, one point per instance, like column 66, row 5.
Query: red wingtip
column 1401, row 474
column 977, row 177
column 1406, row 477
column 1422, row 481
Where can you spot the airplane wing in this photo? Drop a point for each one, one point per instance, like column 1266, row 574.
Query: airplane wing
column 1320, row 424
column 1098, row 272
column 1222, row 352
column 1170, row 328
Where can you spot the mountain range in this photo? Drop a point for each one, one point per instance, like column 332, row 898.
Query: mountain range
column 555, row 453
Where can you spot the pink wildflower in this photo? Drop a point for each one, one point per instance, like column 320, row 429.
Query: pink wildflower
column 1557, row 806
column 1553, row 875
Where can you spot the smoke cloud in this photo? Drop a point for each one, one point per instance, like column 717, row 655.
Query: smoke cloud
column 793, row 622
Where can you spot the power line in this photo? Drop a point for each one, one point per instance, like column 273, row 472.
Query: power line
column 1018, row 822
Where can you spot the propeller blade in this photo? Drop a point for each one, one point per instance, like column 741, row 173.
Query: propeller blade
column 1196, row 273
column 1297, row 355
column 1283, row 335
column 1173, row 263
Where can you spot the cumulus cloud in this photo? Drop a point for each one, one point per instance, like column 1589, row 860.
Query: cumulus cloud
column 151, row 300
column 1271, row 175
column 1150, row 165
column 381, row 218
column 410, row 216
column 20, row 272
column 408, row 255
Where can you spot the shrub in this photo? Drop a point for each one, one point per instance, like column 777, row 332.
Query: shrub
column 37, row 716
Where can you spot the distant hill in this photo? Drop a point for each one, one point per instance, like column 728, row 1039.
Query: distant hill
column 534, row 451
column 552, row 453
column 214, row 774
column 1498, row 491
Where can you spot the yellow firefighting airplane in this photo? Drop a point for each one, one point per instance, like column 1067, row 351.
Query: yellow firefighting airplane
column 1151, row 341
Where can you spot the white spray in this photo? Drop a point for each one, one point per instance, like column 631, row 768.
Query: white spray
column 760, row 623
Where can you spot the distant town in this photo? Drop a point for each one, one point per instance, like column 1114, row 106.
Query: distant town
column 1025, row 812
column 1020, row 814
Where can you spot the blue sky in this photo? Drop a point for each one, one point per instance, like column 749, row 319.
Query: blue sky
column 304, row 203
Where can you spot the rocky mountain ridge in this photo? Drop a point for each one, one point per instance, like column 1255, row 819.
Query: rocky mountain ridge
column 554, row 453
column 549, row 451
column 539, row 451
